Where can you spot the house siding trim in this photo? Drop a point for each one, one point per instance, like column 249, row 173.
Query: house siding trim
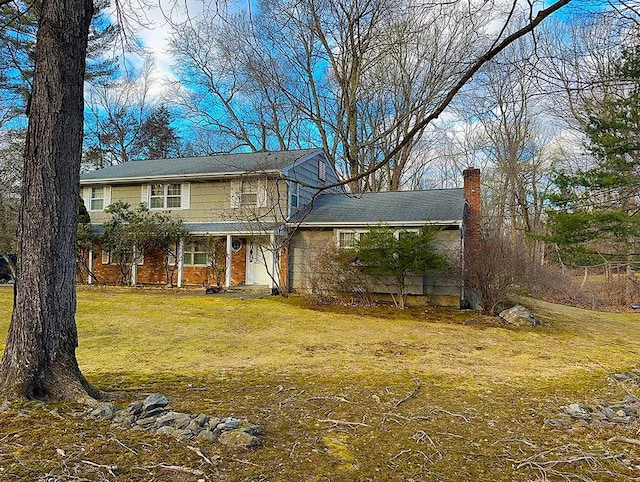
column 348, row 224
column 176, row 177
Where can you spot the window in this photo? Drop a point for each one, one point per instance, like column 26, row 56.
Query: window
column 97, row 199
column 165, row 196
column 109, row 257
column 322, row 170
column 195, row 254
column 295, row 193
column 249, row 192
column 346, row 239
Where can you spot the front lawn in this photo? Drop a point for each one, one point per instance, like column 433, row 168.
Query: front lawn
column 341, row 394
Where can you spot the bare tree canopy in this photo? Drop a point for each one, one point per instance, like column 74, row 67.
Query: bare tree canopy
column 363, row 79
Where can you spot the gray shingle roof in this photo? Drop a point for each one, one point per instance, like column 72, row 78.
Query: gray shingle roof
column 395, row 207
column 230, row 228
column 185, row 167
column 220, row 228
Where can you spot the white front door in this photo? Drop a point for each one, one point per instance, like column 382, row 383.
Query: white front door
column 258, row 259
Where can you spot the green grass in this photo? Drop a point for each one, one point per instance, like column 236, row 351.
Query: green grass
column 484, row 391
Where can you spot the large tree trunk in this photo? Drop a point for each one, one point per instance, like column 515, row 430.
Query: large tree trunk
column 39, row 360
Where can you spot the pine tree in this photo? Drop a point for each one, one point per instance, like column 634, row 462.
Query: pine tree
column 596, row 218
column 157, row 139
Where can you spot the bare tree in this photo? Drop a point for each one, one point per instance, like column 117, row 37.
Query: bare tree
column 515, row 138
column 363, row 79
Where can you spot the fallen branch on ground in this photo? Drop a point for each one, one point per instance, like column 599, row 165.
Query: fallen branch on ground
column 200, row 454
column 343, row 422
column 411, row 395
column 180, row 468
column 112, row 469
column 626, row 440
column 334, row 398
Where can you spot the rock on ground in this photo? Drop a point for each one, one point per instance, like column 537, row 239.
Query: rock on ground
column 519, row 315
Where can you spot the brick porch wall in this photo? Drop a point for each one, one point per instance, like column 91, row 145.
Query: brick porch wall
column 152, row 272
column 105, row 273
column 239, row 265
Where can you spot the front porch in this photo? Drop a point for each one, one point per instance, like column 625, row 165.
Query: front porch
column 225, row 261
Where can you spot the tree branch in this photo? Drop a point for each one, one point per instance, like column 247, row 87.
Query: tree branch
column 466, row 77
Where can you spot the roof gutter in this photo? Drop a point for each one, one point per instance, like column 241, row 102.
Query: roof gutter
column 347, row 224
column 177, row 177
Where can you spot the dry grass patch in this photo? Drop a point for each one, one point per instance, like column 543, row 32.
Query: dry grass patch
column 347, row 394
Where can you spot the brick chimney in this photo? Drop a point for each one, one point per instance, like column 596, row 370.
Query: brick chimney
column 471, row 177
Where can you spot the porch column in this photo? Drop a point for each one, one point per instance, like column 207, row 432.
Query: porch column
column 89, row 277
column 134, row 266
column 180, row 261
column 274, row 278
column 227, row 281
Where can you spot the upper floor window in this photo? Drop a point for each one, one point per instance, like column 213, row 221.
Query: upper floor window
column 295, row 194
column 322, row 170
column 165, row 196
column 249, row 193
column 97, row 199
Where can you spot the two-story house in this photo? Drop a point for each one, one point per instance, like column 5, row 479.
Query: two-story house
column 242, row 199
column 265, row 209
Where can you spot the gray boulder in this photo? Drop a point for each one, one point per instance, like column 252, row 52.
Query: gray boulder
column 518, row 315
column 105, row 411
column 154, row 401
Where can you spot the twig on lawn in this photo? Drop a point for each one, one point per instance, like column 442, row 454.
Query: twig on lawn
column 291, row 398
column 421, row 435
column 399, row 454
column 626, row 440
column 440, row 410
column 545, row 465
column 343, row 422
column 123, row 445
column 411, row 395
column 428, row 458
column 180, row 468
column 454, row 435
column 112, row 469
column 334, row 398
column 526, row 442
column 293, row 449
column 394, row 417
column 242, row 461
column 200, row 454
